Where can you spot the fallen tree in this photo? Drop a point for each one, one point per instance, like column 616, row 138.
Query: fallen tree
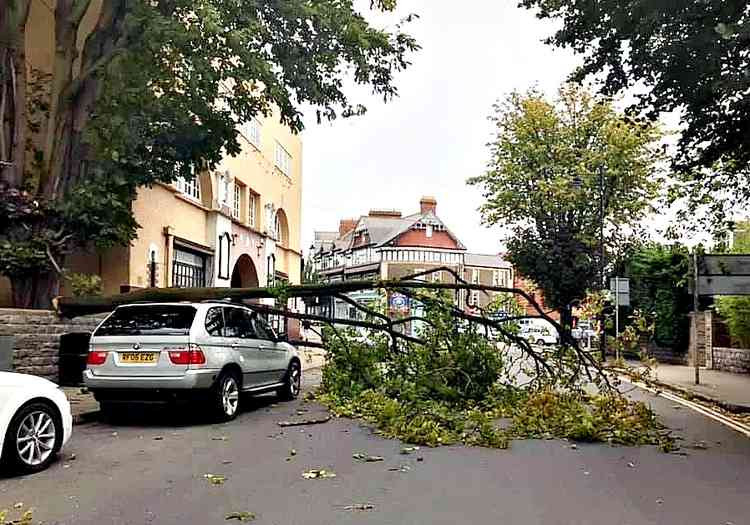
column 449, row 380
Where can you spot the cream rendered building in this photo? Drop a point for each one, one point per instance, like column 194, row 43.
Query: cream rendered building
column 236, row 226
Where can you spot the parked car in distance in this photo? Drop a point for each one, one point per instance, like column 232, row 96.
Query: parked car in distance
column 205, row 352
column 35, row 422
column 540, row 335
column 583, row 330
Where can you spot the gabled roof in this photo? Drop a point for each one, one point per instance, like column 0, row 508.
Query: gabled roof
column 383, row 229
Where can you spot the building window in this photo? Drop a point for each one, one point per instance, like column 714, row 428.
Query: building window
column 224, row 248
column 475, row 276
column 252, row 132
column 283, row 159
column 428, row 231
column 252, row 206
column 474, row 299
column 188, row 269
column 437, row 277
column 237, row 202
column 190, row 188
column 495, row 277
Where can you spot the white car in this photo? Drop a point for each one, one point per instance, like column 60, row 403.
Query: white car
column 35, row 422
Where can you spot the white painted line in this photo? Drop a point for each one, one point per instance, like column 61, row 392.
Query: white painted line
column 716, row 416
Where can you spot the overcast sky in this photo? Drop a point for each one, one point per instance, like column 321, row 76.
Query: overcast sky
column 433, row 137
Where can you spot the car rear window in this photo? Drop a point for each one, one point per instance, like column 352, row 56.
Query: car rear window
column 148, row 320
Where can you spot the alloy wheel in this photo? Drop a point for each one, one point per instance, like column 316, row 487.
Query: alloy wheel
column 230, row 396
column 294, row 380
column 35, row 439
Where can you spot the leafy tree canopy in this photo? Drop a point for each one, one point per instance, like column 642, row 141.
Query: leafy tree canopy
column 156, row 92
column 557, row 170
column 688, row 56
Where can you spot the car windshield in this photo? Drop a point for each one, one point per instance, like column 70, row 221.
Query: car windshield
column 148, row 320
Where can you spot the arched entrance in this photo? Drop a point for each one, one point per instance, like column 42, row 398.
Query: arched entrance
column 244, row 274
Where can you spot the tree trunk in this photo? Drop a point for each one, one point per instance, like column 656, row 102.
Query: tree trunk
column 35, row 290
column 566, row 318
column 13, row 70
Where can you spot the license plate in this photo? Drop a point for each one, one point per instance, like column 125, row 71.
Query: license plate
column 138, row 357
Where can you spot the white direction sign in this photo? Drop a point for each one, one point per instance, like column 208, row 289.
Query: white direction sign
column 620, row 288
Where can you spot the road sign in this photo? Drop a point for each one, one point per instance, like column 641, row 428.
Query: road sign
column 399, row 302
column 620, row 288
column 727, row 274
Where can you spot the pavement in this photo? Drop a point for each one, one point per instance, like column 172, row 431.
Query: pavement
column 85, row 408
column 726, row 389
column 152, row 466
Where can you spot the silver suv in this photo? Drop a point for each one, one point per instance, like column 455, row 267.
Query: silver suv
column 212, row 351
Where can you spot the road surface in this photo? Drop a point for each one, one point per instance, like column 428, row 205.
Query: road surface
column 150, row 469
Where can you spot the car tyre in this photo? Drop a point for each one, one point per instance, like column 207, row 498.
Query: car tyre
column 225, row 396
column 33, row 439
column 292, row 382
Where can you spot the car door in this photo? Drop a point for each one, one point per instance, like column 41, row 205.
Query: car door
column 241, row 334
column 274, row 353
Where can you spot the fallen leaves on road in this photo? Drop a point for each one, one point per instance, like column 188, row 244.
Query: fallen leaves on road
column 699, row 445
column 360, row 506
column 366, row 458
column 311, row 421
column 293, row 452
column 318, row 474
column 631, row 464
column 409, row 450
column 215, row 479
column 219, row 438
column 240, row 516
column 226, row 462
column 158, row 438
column 401, row 468
column 18, row 505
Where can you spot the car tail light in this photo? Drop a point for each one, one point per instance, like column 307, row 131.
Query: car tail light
column 96, row 358
column 193, row 355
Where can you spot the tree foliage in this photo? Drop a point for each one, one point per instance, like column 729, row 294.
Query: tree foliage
column 686, row 56
column 736, row 309
column 659, row 286
column 557, row 170
column 155, row 92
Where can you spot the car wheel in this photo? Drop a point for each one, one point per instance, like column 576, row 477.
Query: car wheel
column 292, row 382
column 226, row 397
column 34, row 438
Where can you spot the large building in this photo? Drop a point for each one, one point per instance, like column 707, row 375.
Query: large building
column 385, row 244
column 238, row 225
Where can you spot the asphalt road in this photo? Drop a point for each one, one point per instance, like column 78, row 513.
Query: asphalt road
column 150, row 469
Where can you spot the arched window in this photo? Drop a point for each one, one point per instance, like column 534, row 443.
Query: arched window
column 281, row 228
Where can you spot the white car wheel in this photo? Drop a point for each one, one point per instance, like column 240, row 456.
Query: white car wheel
column 33, row 439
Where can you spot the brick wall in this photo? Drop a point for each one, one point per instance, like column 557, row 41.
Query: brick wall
column 731, row 360
column 37, row 338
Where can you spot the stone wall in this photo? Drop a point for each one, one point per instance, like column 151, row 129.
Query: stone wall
column 665, row 354
column 731, row 359
column 37, row 338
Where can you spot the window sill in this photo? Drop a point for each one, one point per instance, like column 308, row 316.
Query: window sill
column 190, row 200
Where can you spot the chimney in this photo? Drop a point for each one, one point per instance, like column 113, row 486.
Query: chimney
column 391, row 214
column 427, row 204
column 346, row 225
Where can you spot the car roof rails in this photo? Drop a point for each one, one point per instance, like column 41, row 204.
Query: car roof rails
column 225, row 300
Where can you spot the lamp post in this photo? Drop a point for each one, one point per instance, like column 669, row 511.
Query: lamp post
column 602, row 284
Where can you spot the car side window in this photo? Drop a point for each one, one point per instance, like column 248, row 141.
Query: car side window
column 262, row 329
column 215, row 322
column 238, row 324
